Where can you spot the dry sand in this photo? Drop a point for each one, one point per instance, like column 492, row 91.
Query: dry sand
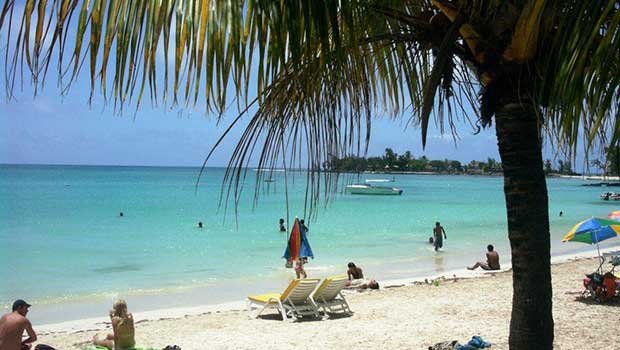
column 413, row 316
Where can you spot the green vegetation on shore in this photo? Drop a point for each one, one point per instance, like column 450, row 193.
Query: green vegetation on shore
column 394, row 162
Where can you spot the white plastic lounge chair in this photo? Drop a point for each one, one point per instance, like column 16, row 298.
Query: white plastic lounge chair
column 293, row 303
column 328, row 296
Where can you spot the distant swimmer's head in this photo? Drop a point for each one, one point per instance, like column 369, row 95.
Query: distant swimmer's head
column 490, row 247
column 21, row 307
column 281, row 221
column 430, row 240
column 200, row 224
column 121, row 214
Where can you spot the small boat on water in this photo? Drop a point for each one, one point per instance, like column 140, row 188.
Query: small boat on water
column 373, row 190
column 610, row 196
column 379, row 180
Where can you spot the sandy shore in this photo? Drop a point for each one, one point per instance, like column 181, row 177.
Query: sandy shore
column 412, row 316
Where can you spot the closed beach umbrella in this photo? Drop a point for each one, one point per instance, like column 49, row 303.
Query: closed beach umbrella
column 298, row 245
column 614, row 215
column 592, row 231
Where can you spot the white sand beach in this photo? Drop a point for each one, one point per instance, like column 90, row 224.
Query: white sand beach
column 402, row 315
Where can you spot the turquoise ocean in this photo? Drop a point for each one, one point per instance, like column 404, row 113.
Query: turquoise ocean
column 65, row 249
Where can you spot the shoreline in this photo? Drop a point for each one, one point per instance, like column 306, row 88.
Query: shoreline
column 101, row 323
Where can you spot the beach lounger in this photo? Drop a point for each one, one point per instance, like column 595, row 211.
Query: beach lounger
column 293, row 303
column 328, row 296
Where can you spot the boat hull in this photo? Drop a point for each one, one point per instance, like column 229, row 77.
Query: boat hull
column 374, row 190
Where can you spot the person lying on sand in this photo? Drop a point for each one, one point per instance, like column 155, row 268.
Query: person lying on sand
column 362, row 284
column 12, row 327
column 492, row 262
column 122, row 326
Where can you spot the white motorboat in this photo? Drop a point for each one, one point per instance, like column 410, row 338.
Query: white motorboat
column 379, row 180
column 610, row 196
column 373, row 190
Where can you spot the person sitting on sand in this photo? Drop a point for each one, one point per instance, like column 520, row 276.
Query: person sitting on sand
column 12, row 327
column 354, row 272
column 437, row 238
column 492, row 262
column 299, row 268
column 122, row 326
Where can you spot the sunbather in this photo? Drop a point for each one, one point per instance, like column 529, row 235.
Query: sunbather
column 492, row 262
column 123, row 328
column 362, row 284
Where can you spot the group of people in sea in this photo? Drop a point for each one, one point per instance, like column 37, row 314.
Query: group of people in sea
column 15, row 323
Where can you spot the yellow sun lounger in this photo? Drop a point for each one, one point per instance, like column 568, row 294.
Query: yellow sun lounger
column 293, row 303
column 328, row 296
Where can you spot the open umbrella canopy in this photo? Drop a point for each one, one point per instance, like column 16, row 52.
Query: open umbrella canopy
column 298, row 246
column 593, row 230
column 614, row 215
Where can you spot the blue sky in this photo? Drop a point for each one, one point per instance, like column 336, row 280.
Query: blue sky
column 51, row 129
column 48, row 129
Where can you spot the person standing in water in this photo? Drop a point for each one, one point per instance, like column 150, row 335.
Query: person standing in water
column 437, row 236
column 282, row 226
column 303, row 226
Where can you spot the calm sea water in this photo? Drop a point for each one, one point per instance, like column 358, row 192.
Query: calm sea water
column 64, row 246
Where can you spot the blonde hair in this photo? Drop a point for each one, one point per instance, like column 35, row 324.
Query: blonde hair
column 119, row 309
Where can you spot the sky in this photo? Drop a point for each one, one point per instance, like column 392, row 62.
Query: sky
column 50, row 129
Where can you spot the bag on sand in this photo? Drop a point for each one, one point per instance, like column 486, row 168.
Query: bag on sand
column 446, row 345
column 43, row 347
column 172, row 347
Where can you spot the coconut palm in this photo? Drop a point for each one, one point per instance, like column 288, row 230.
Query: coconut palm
column 310, row 74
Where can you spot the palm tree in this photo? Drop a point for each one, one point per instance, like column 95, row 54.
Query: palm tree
column 321, row 68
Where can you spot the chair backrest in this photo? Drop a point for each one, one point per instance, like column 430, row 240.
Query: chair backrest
column 299, row 290
column 330, row 288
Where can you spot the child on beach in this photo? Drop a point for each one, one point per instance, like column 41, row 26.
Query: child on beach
column 299, row 268
column 123, row 336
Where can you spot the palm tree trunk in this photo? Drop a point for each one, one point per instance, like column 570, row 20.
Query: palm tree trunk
column 518, row 135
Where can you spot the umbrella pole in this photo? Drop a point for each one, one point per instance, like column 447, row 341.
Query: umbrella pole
column 598, row 249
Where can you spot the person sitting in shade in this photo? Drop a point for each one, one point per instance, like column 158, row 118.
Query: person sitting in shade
column 492, row 262
column 123, row 336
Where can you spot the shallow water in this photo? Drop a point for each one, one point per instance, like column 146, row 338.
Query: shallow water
column 64, row 245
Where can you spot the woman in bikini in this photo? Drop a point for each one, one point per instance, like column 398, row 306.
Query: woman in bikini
column 123, row 336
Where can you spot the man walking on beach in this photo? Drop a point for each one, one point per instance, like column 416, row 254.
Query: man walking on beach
column 12, row 327
column 437, row 236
